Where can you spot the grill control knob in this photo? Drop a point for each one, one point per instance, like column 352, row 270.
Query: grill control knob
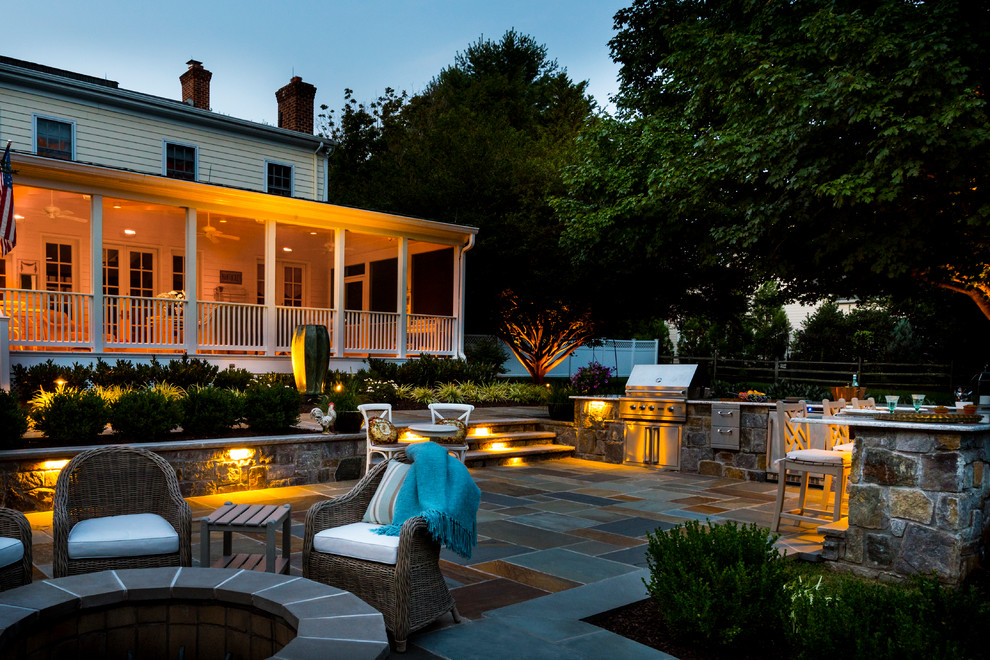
column 652, row 407
column 670, row 409
column 642, row 406
column 632, row 406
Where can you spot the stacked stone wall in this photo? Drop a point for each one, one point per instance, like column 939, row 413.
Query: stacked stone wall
column 204, row 467
column 918, row 503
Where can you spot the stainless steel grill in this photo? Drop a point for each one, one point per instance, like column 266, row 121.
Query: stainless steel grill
column 654, row 409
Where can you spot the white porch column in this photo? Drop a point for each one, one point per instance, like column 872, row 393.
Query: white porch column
column 271, row 339
column 459, row 277
column 338, row 292
column 190, row 319
column 97, row 315
column 4, row 352
column 403, row 296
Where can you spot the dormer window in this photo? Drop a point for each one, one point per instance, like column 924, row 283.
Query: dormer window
column 180, row 161
column 278, row 179
column 54, row 138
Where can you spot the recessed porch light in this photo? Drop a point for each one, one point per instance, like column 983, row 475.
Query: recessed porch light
column 286, row 249
column 129, row 232
column 18, row 216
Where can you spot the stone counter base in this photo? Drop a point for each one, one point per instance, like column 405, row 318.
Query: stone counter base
column 918, row 503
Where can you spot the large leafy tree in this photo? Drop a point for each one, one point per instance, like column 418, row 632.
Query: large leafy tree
column 480, row 146
column 838, row 146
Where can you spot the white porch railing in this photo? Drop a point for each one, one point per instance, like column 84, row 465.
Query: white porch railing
column 287, row 318
column 430, row 334
column 139, row 322
column 370, row 332
column 231, row 326
column 45, row 318
column 54, row 320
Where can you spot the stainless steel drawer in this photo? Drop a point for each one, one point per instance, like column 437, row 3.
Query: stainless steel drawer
column 726, row 414
column 725, row 437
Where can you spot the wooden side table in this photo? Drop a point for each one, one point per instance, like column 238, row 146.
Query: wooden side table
column 249, row 519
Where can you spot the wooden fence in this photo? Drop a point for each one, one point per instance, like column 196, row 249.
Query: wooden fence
column 826, row 374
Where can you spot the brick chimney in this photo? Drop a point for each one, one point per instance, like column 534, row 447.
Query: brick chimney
column 196, row 85
column 295, row 106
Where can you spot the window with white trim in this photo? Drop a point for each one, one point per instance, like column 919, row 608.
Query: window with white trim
column 180, row 161
column 54, row 138
column 278, row 179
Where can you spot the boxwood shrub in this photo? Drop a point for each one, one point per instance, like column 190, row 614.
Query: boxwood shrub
column 13, row 419
column 271, row 407
column 70, row 416
column 210, row 410
column 146, row 414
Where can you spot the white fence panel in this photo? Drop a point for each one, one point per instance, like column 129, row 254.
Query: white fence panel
column 619, row 354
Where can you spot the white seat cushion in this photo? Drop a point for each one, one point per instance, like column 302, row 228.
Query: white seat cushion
column 122, row 536
column 358, row 541
column 845, row 446
column 11, row 550
column 820, row 456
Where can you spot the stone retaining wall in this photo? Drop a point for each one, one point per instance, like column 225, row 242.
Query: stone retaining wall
column 204, row 467
column 918, row 502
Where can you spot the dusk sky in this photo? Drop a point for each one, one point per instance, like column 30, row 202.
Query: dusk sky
column 254, row 47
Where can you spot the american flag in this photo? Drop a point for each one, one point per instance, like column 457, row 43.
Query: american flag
column 8, row 233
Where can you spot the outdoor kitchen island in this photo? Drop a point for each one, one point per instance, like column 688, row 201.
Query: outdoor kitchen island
column 717, row 437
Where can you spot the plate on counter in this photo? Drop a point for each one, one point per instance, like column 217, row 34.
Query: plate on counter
column 928, row 418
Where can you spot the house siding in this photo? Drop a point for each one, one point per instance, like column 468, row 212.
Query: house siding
column 127, row 141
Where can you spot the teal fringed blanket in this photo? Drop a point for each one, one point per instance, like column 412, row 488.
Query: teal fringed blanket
column 440, row 489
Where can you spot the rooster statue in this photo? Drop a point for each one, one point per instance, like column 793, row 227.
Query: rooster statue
column 326, row 419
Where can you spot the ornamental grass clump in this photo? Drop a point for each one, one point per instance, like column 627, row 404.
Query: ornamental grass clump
column 719, row 586
column 592, row 379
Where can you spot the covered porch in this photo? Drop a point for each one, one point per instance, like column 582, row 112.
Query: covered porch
column 102, row 266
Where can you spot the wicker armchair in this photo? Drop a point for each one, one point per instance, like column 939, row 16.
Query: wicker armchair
column 410, row 593
column 115, row 481
column 14, row 525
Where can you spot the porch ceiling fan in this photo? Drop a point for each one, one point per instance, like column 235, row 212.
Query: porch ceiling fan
column 213, row 234
column 54, row 212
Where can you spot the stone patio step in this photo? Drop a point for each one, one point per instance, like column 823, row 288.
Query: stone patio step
column 513, row 439
column 517, row 456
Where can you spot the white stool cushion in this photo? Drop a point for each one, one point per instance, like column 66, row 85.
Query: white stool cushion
column 132, row 535
column 845, row 446
column 358, row 541
column 11, row 550
column 820, row 456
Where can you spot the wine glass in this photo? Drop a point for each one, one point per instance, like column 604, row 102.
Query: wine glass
column 892, row 400
column 917, row 400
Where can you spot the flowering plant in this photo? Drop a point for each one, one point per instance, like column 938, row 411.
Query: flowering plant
column 174, row 294
column 592, row 378
column 754, row 395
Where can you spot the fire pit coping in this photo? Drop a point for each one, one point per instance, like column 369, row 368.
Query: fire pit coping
column 328, row 621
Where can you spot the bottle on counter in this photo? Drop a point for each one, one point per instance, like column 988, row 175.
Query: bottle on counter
column 855, row 381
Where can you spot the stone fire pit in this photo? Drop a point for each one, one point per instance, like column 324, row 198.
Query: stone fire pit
column 187, row 612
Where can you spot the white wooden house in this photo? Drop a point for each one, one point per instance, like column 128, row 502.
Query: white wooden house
column 115, row 190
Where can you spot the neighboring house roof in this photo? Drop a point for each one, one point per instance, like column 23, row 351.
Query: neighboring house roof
column 81, row 88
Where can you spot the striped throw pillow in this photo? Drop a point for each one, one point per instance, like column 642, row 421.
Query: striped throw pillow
column 383, row 501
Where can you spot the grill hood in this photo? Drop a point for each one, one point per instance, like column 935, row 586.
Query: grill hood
column 652, row 379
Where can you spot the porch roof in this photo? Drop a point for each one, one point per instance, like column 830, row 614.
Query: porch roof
column 95, row 179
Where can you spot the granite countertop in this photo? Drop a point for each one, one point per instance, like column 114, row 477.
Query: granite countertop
column 913, row 426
